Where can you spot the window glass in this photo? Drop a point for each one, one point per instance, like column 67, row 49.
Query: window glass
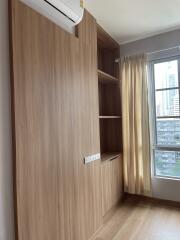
column 166, row 74
column 167, row 159
column 167, row 103
column 167, row 163
column 168, row 131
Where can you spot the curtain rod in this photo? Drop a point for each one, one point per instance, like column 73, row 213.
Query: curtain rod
column 117, row 60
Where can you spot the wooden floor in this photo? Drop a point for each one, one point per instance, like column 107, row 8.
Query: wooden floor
column 142, row 220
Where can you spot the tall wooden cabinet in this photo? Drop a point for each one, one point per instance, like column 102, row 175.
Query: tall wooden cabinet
column 56, row 123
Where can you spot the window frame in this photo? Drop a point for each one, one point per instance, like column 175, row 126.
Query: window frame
column 155, row 145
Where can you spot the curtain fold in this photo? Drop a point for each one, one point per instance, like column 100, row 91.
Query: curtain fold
column 135, row 118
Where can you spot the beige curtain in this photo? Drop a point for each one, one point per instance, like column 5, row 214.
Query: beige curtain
column 136, row 136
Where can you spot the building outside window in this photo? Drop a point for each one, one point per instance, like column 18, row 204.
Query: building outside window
column 167, row 118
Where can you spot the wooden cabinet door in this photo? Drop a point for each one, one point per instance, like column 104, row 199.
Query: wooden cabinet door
column 55, row 112
column 112, row 187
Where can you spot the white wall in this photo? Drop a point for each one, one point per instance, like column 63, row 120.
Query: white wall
column 151, row 44
column 6, row 195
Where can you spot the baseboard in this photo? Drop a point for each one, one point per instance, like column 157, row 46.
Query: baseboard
column 158, row 201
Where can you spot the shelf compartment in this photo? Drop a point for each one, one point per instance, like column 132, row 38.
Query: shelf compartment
column 109, row 156
column 106, row 78
column 111, row 135
column 108, row 52
column 109, row 100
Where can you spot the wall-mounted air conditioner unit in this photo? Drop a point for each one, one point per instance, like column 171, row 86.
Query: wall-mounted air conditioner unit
column 65, row 13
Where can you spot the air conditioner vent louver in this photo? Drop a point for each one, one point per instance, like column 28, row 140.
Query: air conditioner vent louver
column 59, row 10
column 65, row 13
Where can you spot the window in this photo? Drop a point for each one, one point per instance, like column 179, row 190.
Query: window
column 167, row 118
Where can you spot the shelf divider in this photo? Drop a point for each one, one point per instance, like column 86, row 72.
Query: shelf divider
column 106, row 78
column 109, row 156
column 109, row 117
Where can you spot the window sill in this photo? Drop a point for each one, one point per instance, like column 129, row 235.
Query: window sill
column 166, row 178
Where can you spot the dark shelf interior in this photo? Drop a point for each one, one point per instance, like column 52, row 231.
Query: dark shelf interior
column 109, row 97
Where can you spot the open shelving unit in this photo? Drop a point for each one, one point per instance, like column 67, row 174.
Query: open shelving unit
column 109, row 97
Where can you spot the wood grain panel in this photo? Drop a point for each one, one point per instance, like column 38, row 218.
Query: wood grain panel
column 55, row 95
column 87, row 32
column 112, row 186
column 36, row 171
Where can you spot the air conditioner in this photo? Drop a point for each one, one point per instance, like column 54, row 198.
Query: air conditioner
column 65, row 13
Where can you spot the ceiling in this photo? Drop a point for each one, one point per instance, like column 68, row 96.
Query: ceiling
column 130, row 20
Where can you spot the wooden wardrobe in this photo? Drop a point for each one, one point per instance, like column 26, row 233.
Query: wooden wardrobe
column 56, row 124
